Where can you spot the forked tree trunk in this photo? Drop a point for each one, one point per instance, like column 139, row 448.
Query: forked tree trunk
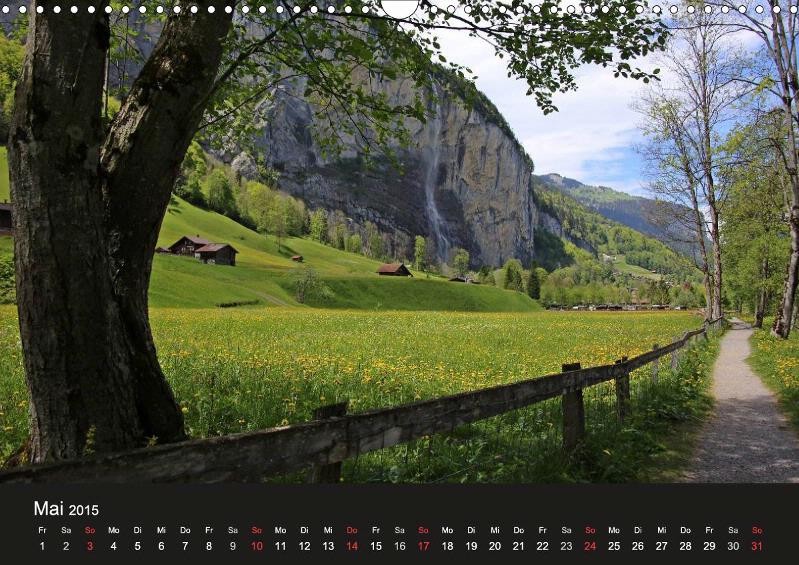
column 86, row 223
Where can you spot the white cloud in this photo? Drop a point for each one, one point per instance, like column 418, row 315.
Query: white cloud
column 589, row 138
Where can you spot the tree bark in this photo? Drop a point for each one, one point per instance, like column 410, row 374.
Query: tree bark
column 782, row 50
column 88, row 213
column 785, row 311
column 140, row 161
column 699, row 229
column 73, row 338
column 762, row 295
column 717, row 309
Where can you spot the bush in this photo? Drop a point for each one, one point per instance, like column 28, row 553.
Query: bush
column 513, row 275
column 307, row 284
column 8, row 292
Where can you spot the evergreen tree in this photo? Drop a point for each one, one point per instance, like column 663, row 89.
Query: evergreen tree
column 533, row 284
column 513, row 275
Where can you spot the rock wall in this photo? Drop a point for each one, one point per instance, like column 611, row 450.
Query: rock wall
column 464, row 181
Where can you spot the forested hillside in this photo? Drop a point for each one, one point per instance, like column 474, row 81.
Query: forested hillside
column 603, row 237
column 648, row 216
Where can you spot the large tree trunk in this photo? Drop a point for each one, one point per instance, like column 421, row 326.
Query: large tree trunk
column 784, row 56
column 75, row 353
column 140, row 161
column 86, row 223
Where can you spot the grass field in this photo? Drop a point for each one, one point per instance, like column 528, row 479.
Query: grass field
column 620, row 265
column 378, row 342
column 256, row 368
column 777, row 362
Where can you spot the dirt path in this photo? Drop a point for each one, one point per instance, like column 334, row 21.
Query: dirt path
column 747, row 439
column 272, row 299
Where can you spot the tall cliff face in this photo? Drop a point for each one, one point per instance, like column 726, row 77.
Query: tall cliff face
column 465, row 181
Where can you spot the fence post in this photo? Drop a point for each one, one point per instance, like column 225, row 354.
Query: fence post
column 675, row 357
column 655, row 366
column 623, row 408
column 330, row 473
column 573, row 413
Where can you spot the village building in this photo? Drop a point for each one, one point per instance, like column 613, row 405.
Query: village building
column 217, row 254
column 6, row 224
column 188, row 245
column 394, row 270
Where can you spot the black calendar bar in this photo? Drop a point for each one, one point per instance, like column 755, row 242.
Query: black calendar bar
column 399, row 524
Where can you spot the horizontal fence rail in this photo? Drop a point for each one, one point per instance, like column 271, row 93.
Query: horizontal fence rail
column 324, row 443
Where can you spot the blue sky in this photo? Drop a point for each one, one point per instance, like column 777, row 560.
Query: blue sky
column 590, row 139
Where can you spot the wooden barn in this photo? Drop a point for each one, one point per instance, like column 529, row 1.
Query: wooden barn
column 187, row 245
column 394, row 270
column 6, row 225
column 297, row 258
column 217, row 254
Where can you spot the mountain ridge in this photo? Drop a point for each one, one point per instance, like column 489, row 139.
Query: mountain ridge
column 645, row 215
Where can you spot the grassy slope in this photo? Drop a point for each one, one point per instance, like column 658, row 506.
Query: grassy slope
column 266, row 275
column 263, row 273
column 621, row 266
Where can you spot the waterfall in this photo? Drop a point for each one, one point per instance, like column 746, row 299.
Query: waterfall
column 433, row 155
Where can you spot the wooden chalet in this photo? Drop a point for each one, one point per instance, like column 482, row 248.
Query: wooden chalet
column 188, row 245
column 6, row 224
column 217, row 254
column 297, row 258
column 394, row 270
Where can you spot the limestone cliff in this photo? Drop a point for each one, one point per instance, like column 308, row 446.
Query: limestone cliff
column 465, row 180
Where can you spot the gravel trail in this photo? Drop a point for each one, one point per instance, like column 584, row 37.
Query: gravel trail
column 747, row 439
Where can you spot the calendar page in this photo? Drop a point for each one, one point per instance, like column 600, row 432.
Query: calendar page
column 397, row 280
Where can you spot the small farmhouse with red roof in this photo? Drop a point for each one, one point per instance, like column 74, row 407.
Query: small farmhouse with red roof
column 204, row 250
column 217, row 254
column 187, row 245
column 394, row 270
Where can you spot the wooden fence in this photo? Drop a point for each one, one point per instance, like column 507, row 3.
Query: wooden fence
column 334, row 436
